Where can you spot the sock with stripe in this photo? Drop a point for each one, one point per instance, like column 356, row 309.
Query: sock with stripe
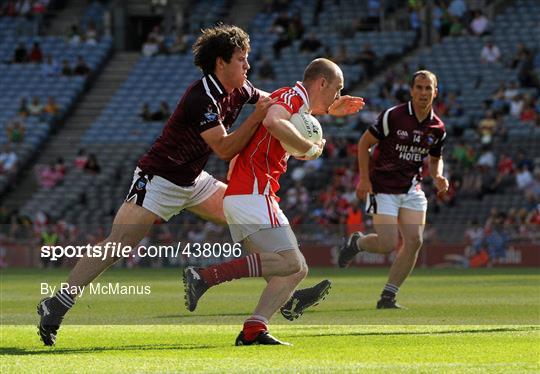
column 389, row 291
column 61, row 302
column 249, row 266
column 253, row 326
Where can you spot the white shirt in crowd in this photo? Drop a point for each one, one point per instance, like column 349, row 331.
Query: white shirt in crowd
column 524, row 179
column 490, row 53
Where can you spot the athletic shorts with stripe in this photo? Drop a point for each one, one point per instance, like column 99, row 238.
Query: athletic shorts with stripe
column 259, row 219
column 389, row 204
column 165, row 198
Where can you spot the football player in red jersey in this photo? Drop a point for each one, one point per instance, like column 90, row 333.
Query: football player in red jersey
column 252, row 207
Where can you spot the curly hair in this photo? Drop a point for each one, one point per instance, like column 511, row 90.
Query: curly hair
column 218, row 41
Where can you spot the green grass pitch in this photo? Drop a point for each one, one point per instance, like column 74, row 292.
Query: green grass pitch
column 458, row 321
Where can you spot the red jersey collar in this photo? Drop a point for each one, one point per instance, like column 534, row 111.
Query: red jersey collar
column 301, row 90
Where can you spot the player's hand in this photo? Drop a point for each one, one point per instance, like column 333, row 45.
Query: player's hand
column 261, row 108
column 363, row 188
column 346, row 105
column 441, row 183
column 316, row 155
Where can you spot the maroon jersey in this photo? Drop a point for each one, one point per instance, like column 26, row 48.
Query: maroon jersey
column 180, row 153
column 396, row 163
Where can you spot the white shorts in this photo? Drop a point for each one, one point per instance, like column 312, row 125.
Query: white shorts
column 167, row 199
column 259, row 219
column 389, row 204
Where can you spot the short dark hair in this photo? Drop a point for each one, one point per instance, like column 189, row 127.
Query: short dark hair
column 320, row 67
column 424, row 73
column 218, row 41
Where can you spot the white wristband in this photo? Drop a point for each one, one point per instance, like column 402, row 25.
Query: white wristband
column 312, row 151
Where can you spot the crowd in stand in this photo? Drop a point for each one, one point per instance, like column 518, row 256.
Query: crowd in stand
column 53, row 174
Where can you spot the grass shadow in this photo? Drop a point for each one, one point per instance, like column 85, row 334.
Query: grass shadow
column 15, row 351
column 442, row 332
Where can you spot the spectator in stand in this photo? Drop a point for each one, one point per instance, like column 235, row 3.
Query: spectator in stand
column 368, row 59
column 23, row 108
column 51, row 109
column 92, row 165
column 511, row 91
column 310, row 43
column 464, row 155
column 162, row 49
column 487, row 158
column 150, row 47
column 505, row 165
column 457, row 8
column 487, row 127
column 516, row 106
column 162, row 113
column 8, row 160
column 66, row 69
column 266, row 70
column 157, row 35
column 524, row 178
column 74, row 35
column 49, row 176
column 35, row 108
column 479, row 24
column 496, row 242
column 20, row 55
column 91, row 34
column 81, row 159
column 367, row 117
column 282, row 42
column 9, row 9
column 50, row 67
column 490, row 54
column 39, row 8
column 354, row 220
column 522, row 160
column 281, row 23
column 36, row 54
column 505, row 170
column 180, row 44
column 145, row 113
column 341, row 56
column 521, row 54
column 528, row 114
column 82, row 67
column 526, row 72
column 456, row 27
column 15, row 132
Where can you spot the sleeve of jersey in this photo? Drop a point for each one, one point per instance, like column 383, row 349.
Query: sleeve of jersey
column 436, row 150
column 381, row 128
column 291, row 103
column 251, row 92
column 204, row 114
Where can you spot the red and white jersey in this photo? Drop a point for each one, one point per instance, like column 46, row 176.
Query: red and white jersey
column 260, row 164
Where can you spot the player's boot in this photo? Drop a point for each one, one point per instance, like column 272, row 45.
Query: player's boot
column 305, row 298
column 194, row 287
column 264, row 338
column 349, row 249
column 388, row 303
column 50, row 320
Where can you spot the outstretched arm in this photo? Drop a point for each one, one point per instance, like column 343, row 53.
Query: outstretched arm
column 346, row 105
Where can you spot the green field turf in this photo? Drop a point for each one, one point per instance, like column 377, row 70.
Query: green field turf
column 458, row 321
